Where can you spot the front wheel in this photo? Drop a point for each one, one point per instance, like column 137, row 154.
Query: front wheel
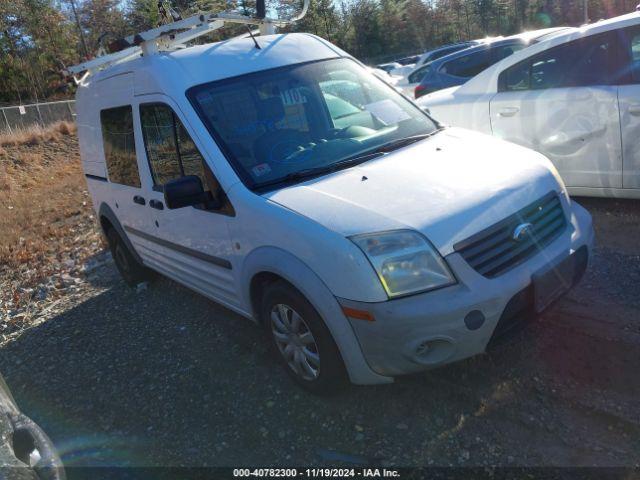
column 301, row 340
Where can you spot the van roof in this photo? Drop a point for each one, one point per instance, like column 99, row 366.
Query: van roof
column 199, row 64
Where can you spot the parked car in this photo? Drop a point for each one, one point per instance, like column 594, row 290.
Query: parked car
column 457, row 68
column 411, row 78
column 575, row 98
column 296, row 188
column 410, row 60
column 26, row 452
column 407, row 84
column 387, row 67
column 436, row 53
column 402, row 71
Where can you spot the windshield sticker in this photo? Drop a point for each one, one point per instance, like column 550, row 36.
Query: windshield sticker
column 261, row 169
column 293, row 96
column 387, row 111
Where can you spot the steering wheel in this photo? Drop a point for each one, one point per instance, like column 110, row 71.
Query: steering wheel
column 278, row 145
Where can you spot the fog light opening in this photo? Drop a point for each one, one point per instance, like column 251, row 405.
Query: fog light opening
column 432, row 351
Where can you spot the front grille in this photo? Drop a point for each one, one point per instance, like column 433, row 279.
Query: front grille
column 493, row 251
column 519, row 311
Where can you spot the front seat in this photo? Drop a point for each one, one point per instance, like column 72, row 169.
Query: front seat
column 276, row 144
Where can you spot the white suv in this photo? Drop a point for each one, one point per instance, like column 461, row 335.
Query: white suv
column 292, row 186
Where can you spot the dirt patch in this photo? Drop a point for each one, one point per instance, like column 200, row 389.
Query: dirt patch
column 617, row 227
column 47, row 227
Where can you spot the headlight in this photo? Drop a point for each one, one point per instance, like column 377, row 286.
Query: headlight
column 405, row 261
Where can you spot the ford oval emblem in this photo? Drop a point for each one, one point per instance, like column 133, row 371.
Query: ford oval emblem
column 522, row 232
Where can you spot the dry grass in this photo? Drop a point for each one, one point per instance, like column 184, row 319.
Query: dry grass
column 47, row 226
column 36, row 134
column 43, row 196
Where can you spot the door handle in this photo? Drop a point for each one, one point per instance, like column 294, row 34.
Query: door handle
column 634, row 109
column 508, row 111
column 157, row 204
column 139, row 200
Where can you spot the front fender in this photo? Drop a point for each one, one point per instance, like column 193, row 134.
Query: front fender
column 286, row 265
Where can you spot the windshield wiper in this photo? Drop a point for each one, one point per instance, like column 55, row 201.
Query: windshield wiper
column 289, row 177
column 347, row 162
column 403, row 142
column 316, row 171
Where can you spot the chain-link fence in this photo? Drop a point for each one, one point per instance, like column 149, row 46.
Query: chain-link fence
column 24, row 116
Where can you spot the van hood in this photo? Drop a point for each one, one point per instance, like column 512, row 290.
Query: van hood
column 447, row 187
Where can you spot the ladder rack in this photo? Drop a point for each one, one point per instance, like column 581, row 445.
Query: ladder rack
column 173, row 35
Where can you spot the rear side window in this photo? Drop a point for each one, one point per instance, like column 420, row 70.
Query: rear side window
column 119, row 146
column 419, row 74
column 170, row 150
column 503, row 51
column 584, row 62
column 468, row 66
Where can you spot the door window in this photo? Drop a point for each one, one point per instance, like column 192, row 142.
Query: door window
column 503, row 51
column 632, row 55
column 418, row 75
column 119, row 145
column 446, row 51
column 585, row 62
column 468, row 66
column 634, row 48
column 170, row 150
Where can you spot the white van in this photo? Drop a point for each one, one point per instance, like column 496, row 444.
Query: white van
column 289, row 184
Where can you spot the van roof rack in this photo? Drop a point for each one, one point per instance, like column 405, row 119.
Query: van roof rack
column 173, row 35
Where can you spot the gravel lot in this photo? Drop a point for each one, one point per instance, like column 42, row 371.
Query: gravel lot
column 162, row 376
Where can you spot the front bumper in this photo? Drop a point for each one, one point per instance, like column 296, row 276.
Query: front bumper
column 428, row 330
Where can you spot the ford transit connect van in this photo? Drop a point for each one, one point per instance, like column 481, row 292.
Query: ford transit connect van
column 292, row 186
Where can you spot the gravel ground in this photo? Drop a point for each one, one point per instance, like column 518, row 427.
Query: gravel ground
column 162, row 376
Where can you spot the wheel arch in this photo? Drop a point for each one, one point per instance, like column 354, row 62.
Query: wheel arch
column 267, row 264
column 108, row 219
column 258, row 284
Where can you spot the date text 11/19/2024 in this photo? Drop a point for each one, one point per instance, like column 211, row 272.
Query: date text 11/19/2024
column 316, row 473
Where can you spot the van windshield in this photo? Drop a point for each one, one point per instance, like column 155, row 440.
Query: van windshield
column 284, row 125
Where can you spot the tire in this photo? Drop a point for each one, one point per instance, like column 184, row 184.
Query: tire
column 301, row 340
column 132, row 271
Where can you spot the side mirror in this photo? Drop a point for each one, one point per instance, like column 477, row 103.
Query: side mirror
column 184, row 192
